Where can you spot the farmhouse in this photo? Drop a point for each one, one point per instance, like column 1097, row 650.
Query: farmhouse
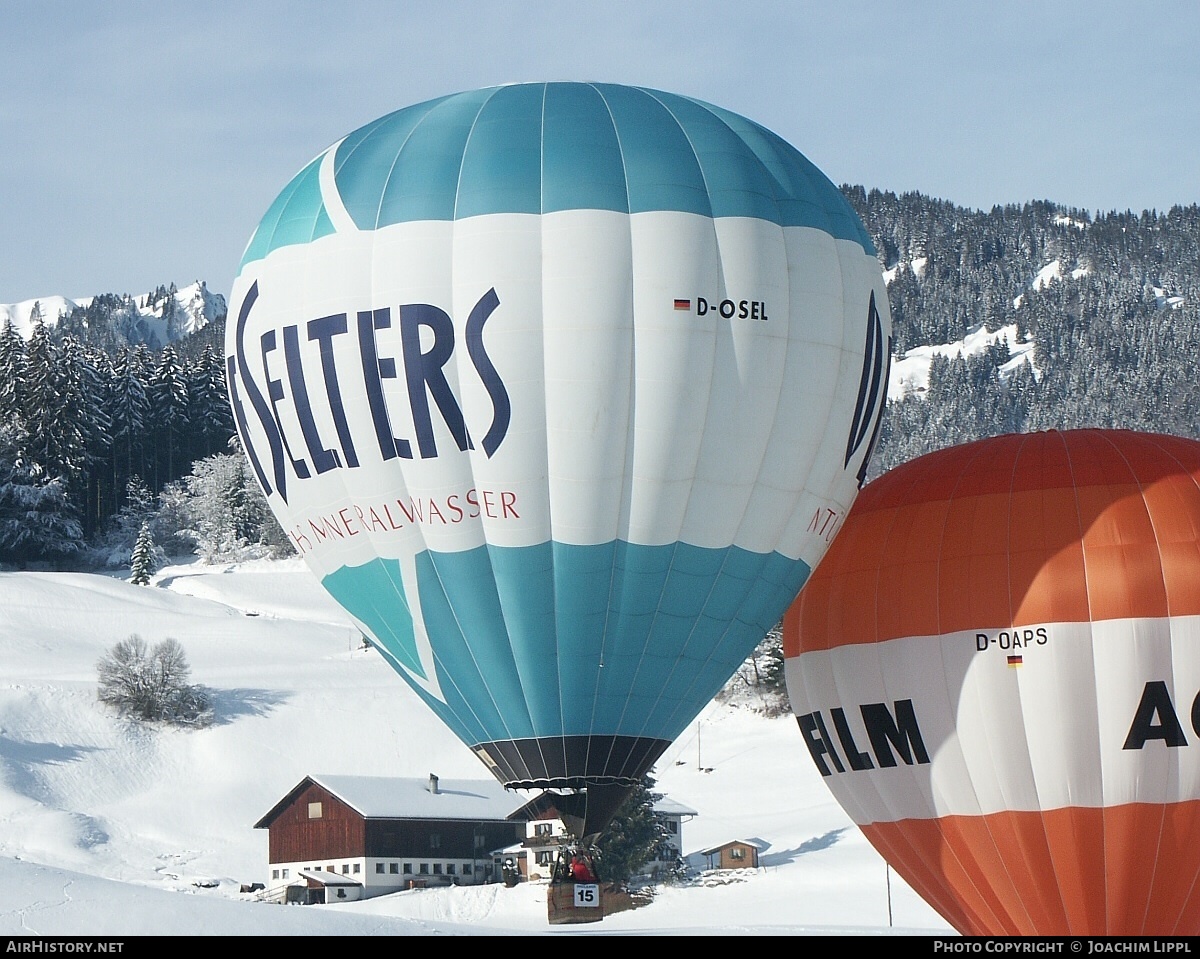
column 381, row 834
column 545, row 819
column 673, row 815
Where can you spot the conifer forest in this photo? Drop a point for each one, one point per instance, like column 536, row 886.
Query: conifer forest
column 107, row 438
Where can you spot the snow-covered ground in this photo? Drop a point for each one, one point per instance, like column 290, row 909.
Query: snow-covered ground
column 910, row 372
column 109, row 829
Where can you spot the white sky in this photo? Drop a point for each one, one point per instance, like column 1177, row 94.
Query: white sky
column 105, row 829
column 142, row 140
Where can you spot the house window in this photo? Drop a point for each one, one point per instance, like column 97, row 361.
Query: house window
column 274, row 873
column 451, row 869
column 285, row 874
column 545, row 857
column 424, row 869
column 395, row 867
column 314, row 810
column 467, row 869
column 345, row 869
column 543, row 829
column 672, row 826
column 480, row 839
column 737, row 853
column 408, row 869
column 356, row 868
column 435, row 841
column 437, row 868
column 341, row 893
column 331, row 868
column 379, row 867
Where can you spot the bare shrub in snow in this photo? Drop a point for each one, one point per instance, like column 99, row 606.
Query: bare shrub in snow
column 151, row 683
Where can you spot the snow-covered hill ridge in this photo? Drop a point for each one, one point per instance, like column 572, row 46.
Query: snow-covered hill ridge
column 164, row 318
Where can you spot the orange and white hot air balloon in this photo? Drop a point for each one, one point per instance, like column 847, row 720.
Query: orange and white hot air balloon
column 996, row 668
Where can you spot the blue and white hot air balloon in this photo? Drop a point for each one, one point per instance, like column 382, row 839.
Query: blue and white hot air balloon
column 562, row 390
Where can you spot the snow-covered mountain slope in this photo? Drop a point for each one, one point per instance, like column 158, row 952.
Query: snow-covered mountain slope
column 160, row 319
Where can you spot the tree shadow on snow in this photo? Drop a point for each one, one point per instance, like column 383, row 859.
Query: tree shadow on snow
column 233, row 704
column 20, row 761
column 816, row 844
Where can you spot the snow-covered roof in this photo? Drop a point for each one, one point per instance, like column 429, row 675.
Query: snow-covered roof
column 669, row 807
column 759, row 844
column 325, row 878
column 387, row 797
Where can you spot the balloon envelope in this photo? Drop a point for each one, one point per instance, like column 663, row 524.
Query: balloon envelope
column 996, row 669
column 561, row 389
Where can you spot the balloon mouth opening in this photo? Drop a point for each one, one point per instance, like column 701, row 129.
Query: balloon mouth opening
column 571, row 783
column 585, row 813
column 571, row 762
column 601, row 770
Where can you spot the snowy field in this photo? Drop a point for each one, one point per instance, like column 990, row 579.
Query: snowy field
column 109, row 829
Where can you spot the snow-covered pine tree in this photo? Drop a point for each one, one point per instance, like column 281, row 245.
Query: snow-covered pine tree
column 114, row 548
column 84, row 428
column 141, row 566
column 55, row 408
column 41, row 390
column 129, row 412
column 139, row 505
column 141, row 362
column 168, row 395
column 103, row 491
column 37, row 519
column 12, row 372
column 173, row 315
column 209, row 413
column 633, row 836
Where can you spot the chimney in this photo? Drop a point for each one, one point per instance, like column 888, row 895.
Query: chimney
column 433, row 784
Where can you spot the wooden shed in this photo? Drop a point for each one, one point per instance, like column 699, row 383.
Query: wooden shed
column 735, row 854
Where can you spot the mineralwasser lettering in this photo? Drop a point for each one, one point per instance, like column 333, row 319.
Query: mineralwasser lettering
column 888, row 733
column 311, row 366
